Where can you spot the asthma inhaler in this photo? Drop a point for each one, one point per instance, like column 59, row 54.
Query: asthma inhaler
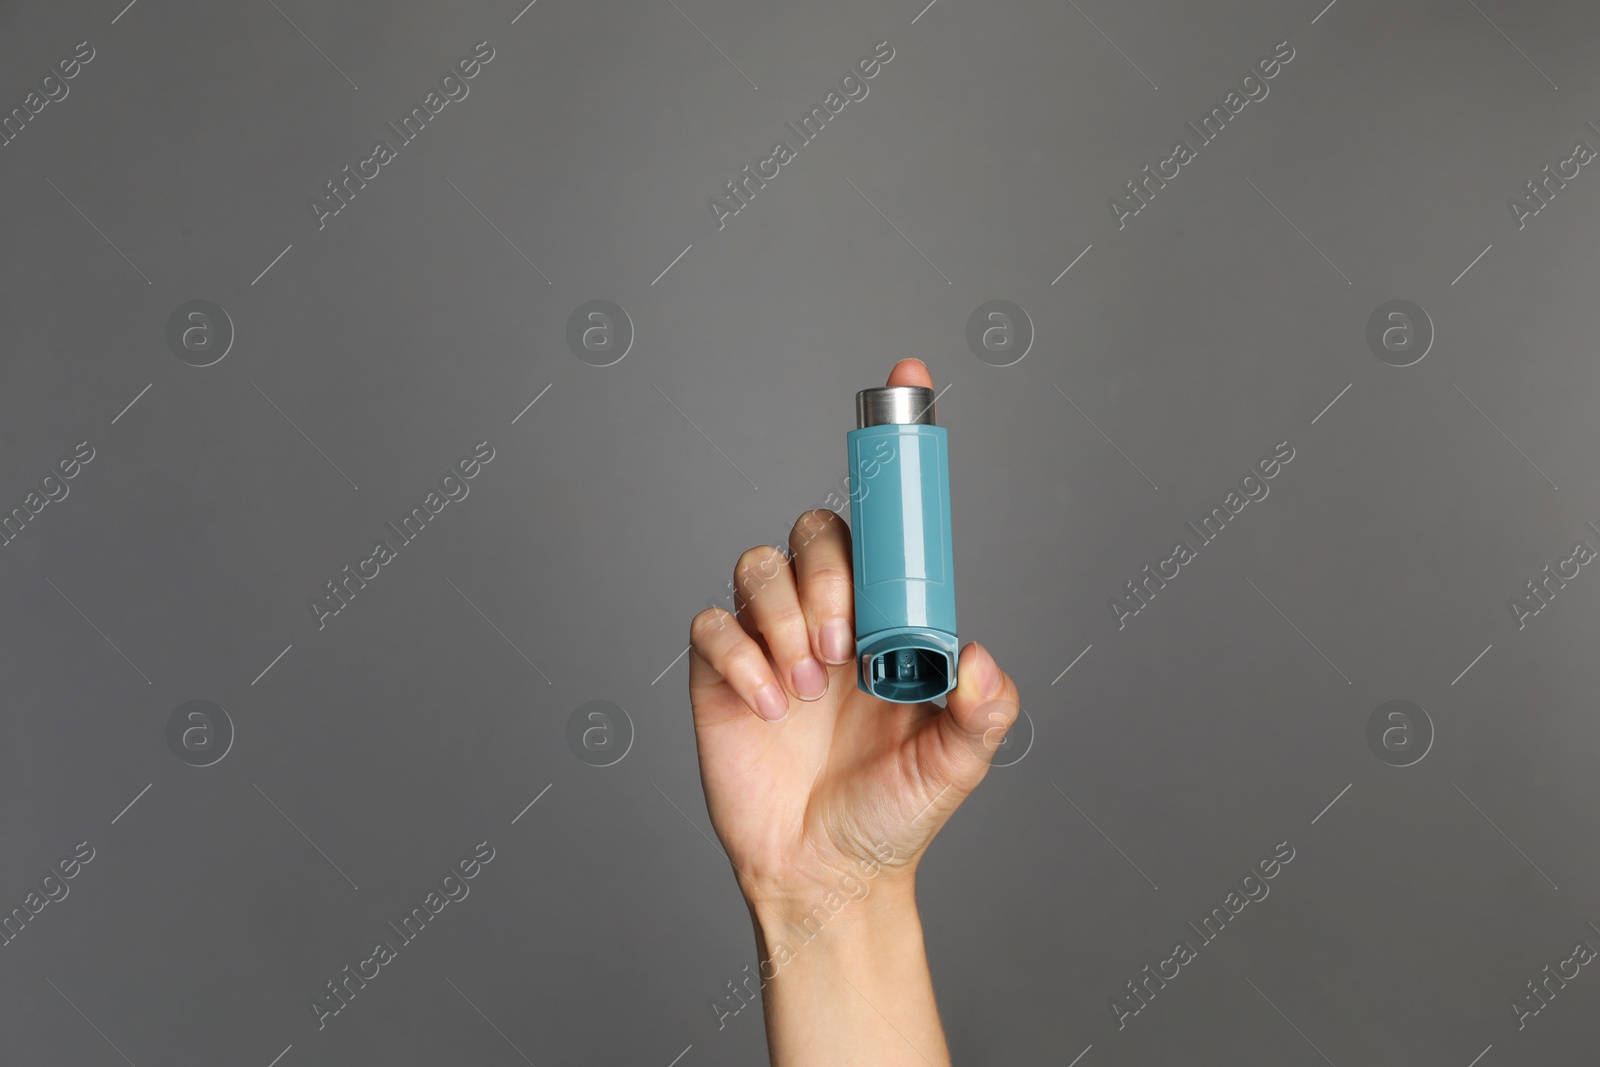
column 905, row 597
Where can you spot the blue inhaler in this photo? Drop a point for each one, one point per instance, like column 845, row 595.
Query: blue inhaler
column 905, row 595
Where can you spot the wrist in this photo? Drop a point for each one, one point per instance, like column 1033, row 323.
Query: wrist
column 845, row 981
column 854, row 908
column 882, row 877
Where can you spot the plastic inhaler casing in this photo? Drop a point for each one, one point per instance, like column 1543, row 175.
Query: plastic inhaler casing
column 905, row 596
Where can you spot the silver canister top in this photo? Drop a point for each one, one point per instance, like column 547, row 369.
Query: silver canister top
column 901, row 405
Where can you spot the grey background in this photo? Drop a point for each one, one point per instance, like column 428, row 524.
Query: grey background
column 424, row 718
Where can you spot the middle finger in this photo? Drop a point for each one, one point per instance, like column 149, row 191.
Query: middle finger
column 765, row 583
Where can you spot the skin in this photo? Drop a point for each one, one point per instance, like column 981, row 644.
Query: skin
column 825, row 797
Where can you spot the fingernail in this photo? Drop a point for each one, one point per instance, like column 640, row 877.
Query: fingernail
column 810, row 680
column 771, row 704
column 988, row 674
column 837, row 641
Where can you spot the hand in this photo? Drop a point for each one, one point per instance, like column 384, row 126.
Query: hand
column 805, row 775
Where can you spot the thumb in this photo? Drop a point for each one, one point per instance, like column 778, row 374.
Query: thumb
column 978, row 712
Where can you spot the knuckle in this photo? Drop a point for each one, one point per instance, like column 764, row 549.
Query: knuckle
column 748, row 663
column 811, row 523
column 832, row 577
column 758, row 565
column 789, row 632
column 707, row 624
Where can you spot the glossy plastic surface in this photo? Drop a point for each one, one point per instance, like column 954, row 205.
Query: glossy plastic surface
column 905, row 598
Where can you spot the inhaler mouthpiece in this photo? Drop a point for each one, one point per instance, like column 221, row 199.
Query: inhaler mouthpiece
column 905, row 597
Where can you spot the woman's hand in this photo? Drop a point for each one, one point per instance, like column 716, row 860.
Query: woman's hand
column 807, row 778
column 808, row 781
